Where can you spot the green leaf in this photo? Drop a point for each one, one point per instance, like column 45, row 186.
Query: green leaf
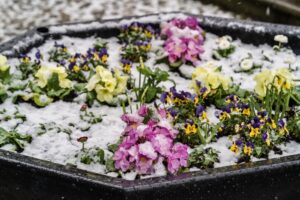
column 100, row 155
column 79, row 87
column 14, row 138
column 5, row 76
column 53, row 82
column 150, row 94
column 110, row 165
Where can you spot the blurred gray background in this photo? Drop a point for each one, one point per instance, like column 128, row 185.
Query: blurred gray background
column 17, row 16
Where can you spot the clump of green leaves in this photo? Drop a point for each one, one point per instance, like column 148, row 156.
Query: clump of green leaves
column 203, row 157
column 92, row 155
column 59, row 53
column 148, row 87
column 88, row 116
column 14, row 138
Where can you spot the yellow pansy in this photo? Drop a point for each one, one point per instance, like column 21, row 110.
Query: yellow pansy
column 281, row 78
column 210, row 77
column 247, row 150
column 44, row 73
column 234, row 148
column 3, row 63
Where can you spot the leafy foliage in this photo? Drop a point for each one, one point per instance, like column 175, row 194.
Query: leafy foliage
column 14, row 138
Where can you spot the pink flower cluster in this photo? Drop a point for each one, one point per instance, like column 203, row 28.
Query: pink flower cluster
column 147, row 141
column 184, row 40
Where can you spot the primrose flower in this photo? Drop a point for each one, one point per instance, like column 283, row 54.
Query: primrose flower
column 210, row 77
column 106, row 84
column 147, row 141
column 3, row 63
column 178, row 158
column 184, row 41
column 281, row 78
column 45, row 73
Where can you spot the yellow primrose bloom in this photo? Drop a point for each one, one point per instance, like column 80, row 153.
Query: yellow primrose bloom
column 247, row 150
column 210, row 77
column 106, row 84
column 234, row 148
column 103, row 94
column 44, row 73
column 282, row 78
column 3, row 63
column 122, row 83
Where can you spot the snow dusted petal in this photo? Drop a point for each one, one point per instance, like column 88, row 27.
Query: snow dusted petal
column 146, row 149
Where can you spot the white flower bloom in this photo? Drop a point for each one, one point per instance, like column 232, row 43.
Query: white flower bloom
column 224, row 42
column 281, row 38
column 246, row 64
column 290, row 59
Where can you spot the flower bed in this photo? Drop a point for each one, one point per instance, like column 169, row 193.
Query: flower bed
column 151, row 101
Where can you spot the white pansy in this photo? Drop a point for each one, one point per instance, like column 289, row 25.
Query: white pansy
column 281, row 38
column 246, row 64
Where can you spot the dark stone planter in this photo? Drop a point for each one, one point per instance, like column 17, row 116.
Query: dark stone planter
column 22, row 177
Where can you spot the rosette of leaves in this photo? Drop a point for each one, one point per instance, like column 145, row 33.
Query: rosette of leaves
column 14, row 138
column 92, row 155
column 51, row 83
column 203, row 157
